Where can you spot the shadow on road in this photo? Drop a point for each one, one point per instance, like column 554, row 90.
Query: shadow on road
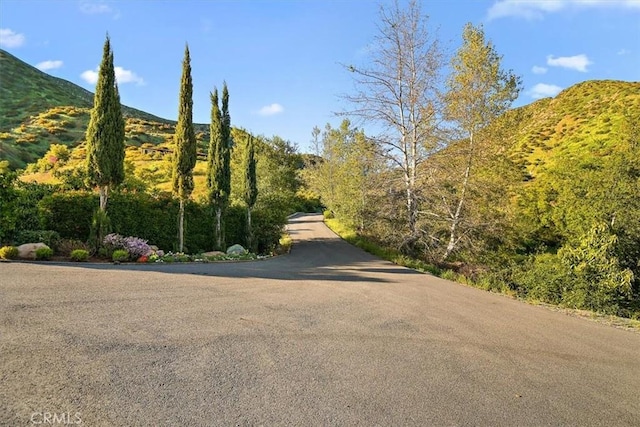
column 317, row 255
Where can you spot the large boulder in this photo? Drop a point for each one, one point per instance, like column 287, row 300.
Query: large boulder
column 28, row 250
column 236, row 250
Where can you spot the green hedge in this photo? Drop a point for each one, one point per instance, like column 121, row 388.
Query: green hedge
column 155, row 218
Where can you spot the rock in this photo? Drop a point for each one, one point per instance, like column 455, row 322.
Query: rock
column 213, row 253
column 28, row 250
column 236, row 250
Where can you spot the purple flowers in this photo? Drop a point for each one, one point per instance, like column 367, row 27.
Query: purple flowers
column 136, row 246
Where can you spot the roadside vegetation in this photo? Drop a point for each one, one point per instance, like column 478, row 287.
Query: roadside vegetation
column 151, row 181
column 540, row 202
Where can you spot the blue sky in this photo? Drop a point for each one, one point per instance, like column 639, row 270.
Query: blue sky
column 281, row 58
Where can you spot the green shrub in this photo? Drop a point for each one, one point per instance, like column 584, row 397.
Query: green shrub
column 79, row 255
column 599, row 283
column 100, row 227
column 268, row 226
column 120, row 255
column 543, row 278
column 44, row 254
column 327, row 214
column 8, row 252
column 583, row 275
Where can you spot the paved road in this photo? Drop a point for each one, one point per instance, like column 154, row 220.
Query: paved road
column 327, row 335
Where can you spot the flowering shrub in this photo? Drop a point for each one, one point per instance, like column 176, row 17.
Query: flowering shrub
column 135, row 246
column 113, row 241
column 170, row 257
column 8, row 252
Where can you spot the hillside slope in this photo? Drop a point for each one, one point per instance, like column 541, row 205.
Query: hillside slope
column 26, row 91
column 38, row 110
column 583, row 120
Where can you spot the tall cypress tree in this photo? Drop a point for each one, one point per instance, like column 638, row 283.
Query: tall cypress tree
column 215, row 167
column 228, row 143
column 219, row 160
column 105, row 132
column 250, row 194
column 184, row 153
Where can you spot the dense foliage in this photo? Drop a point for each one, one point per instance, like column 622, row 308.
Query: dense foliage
column 105, row 132
column 56, row 215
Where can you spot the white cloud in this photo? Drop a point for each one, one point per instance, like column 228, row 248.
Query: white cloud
column 538, row 70
column 543, row 90
column 576, row 62
column 624, row 52
column 90, row 76
column 270, row 110
column 536, row 9
column 128, row 76
column 94, row 7
column 122, row 76
column 9, row 38
column 527, row 9
column 49, row 65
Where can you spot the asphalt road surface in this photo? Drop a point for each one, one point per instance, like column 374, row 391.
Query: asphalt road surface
column 327, row 335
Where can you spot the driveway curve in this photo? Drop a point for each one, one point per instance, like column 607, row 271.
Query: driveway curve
column 327, row 335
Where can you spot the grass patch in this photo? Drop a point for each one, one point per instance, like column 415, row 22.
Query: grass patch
column 351, row 236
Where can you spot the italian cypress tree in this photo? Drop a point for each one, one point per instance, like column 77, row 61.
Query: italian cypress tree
column 184, row 153
column 105, row 132
column 250, row 185
column 215, row 167
column 228, row 143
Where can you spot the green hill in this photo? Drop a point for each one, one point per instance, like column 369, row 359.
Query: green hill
column 26, row 91
column 38, row 110
column 581, row 121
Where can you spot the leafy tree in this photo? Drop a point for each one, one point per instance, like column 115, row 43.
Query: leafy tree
column 218, row 169
column 278, row 174
column 399, row 93
column 184, row 155
column 278, row 167
column 250, row 184
column 342, row 173
column 478, row 92
column 105, row 132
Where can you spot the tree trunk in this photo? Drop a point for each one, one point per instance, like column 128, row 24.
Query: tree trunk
column 104, row 196
column 219, row 228
column 249, row 230
column 455, row 220
column 181, row 227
